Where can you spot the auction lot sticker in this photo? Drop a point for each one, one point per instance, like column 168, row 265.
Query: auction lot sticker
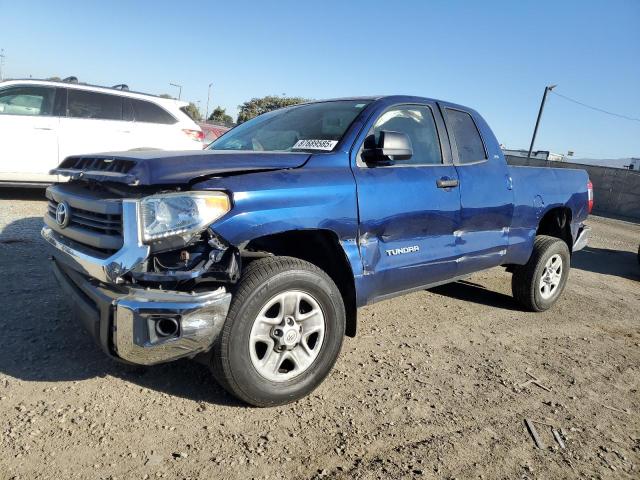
column 315, row 144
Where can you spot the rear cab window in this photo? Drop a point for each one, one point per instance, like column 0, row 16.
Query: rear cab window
column 466, row 136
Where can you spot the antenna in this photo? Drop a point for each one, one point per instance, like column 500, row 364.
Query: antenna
column 2, row 56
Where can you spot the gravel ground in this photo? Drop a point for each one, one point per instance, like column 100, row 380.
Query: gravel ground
column 432, row 387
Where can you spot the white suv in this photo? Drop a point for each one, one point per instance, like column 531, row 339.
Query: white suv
column 42, row 122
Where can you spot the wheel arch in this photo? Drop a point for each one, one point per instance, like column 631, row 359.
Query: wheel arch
column 320, row 247
column 556, row 222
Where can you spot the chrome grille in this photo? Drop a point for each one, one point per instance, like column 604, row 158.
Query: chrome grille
column 94, row 217
column 98, row 222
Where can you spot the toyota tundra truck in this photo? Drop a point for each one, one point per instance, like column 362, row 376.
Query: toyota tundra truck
column 254, row 255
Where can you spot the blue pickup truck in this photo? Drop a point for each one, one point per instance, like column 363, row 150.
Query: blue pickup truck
column 254, row 254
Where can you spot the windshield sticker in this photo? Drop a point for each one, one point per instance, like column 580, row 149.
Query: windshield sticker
column 315, row 144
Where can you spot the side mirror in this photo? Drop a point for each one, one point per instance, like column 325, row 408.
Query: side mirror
column 392, row 146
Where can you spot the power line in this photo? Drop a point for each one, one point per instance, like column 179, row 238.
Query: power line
column 601, row 110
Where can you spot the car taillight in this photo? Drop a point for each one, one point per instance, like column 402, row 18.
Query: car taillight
column 590, row 195
column 196, row 135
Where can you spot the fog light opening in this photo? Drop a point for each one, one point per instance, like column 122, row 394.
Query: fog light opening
column 167, row 327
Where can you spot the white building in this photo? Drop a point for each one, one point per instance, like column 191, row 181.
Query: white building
column 634, row 164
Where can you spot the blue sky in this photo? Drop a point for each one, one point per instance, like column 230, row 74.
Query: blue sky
column 495, row 56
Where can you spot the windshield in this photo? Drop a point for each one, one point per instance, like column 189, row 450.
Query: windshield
column 309, row 127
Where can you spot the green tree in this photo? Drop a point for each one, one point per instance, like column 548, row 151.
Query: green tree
column 193, row 112
column 258, row 106
column 220, row 117
column 191, row 109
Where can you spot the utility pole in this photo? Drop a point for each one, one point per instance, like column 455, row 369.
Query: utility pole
column 206, row 117
column 179, row 87
column 547, row 89
column 2, row 55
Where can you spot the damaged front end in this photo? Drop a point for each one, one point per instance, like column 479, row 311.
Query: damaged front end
column 207, row 259
column 144, row 271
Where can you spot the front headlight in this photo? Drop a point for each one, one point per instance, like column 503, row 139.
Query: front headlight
column 181, row 214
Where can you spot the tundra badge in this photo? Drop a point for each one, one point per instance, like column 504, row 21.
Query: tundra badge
column 400, row 251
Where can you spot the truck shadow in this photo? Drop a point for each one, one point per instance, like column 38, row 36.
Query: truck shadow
column 42, row 342
column 619, row 263
column 476, row 293
column 602, row 261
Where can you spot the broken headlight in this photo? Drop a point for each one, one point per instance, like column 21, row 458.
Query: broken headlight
column 181, row 214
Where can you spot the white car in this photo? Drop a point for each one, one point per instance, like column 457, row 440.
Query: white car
column 42, row 122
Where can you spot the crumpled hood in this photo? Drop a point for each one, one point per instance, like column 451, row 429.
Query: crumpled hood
column 157, row 167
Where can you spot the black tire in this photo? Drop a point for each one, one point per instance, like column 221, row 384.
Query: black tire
column 526, row 278
column 261, row 281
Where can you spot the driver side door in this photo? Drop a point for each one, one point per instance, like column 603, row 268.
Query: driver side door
column 408, row 218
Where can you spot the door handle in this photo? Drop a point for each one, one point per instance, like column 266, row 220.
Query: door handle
column 446, row 182
column 42, row 128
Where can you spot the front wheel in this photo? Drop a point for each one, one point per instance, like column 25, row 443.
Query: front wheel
column 283, row 332
column 537, row 285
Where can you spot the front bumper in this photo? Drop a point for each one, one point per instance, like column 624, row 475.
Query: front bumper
column 122, row 320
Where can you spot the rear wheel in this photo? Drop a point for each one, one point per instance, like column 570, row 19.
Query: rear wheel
column 537, row 285
column 283, row 332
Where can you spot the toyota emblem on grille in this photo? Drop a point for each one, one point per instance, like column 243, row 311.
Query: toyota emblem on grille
column 62, row 214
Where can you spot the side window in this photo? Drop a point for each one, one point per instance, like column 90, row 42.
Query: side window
column 151, row 113
column 85, row 104
column 467, row 137
column 418, row 123
column 34, row 101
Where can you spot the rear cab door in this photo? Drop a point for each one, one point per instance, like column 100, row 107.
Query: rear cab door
column 486, row 190
column 406, row 220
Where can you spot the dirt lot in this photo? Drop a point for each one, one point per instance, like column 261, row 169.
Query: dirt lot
column 430, row 388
